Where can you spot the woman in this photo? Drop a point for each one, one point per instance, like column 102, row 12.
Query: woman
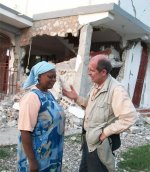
column 41, row 123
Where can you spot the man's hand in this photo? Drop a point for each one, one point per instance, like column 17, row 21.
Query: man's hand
column 102, row 137
column 70, row 94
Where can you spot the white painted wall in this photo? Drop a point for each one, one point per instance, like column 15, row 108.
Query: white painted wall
column 132, row 62
column 18, row 5
column 138, row 8
column 30, row 7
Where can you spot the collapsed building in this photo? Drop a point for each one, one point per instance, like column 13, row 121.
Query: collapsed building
column 11, row 24
column 69, row 38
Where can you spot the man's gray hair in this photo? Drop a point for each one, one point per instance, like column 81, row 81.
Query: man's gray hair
column 104, row 64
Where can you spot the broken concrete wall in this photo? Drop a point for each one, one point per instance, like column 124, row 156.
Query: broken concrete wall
column 129, row 71
column 52, row 27
column 65, row 76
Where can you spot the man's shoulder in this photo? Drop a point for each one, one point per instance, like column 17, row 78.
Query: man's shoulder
column 115, row 82
column 116, row 85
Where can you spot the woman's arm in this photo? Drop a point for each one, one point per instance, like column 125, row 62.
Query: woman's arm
column 28, row 148
column 28, row 112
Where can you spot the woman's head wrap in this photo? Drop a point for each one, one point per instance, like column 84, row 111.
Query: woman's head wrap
column 37, row 69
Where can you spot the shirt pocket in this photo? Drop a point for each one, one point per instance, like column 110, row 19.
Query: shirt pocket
column 101, row 113
column 93, row 134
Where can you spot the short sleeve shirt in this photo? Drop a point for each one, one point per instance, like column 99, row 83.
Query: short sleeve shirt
column 28, row 111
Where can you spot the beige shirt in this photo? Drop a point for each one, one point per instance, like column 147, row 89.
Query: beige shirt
column 108, row 109
column 122, row 108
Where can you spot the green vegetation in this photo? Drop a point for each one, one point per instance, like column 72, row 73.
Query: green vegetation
column 136, row 159
column 4, row 152
column 7, row 153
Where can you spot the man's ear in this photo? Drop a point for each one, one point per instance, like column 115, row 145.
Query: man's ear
column 104, row 71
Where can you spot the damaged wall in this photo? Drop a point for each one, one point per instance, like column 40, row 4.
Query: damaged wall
column 52, row 27
column 131, row 58
column 138, row 8
column 134, row 73
column 64, row 25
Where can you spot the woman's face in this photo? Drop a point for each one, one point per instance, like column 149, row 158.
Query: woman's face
column 47, row 80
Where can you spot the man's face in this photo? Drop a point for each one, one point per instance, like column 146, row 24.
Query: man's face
column 48, row 79
column 96, row 76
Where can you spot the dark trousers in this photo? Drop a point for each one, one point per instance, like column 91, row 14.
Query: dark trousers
column 90, row 161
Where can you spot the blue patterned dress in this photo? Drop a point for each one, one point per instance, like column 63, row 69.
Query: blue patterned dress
column 47, row 136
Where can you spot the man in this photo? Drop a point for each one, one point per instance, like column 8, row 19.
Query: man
column 108, row 111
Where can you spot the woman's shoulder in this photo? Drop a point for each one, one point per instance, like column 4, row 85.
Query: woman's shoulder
column 30, row 96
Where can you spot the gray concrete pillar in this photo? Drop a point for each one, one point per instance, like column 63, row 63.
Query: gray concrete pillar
column 19, row 55
column 21, row 66
column 82, row 82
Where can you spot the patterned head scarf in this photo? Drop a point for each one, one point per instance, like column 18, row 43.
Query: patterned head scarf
column 37, row 69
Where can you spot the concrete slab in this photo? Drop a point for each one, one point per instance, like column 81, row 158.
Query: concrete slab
column 8, row 136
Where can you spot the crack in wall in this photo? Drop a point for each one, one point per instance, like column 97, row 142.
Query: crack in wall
column 134, row 9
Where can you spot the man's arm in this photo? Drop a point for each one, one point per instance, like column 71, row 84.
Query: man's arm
column 124, row 110
column 72, row 94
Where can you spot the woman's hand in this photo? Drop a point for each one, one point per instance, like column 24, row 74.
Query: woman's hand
column 70, row 94
column 33, row 165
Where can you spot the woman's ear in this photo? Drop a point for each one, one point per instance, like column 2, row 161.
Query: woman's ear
column 39, row 77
